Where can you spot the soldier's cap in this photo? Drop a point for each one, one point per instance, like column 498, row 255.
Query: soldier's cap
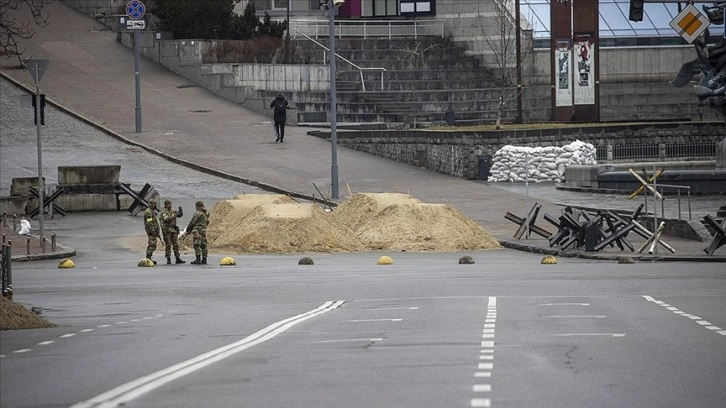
column 152, row 202
column 199, row 204
column 167, row 202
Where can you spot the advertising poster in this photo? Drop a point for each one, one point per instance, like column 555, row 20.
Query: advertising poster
column 563, row 73
column 584, row 74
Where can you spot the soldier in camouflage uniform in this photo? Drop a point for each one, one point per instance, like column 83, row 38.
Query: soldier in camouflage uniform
column 198, row 227
column 171, row 231
column 153, row 230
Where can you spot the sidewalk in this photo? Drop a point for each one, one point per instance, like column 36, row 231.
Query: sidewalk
column 187, row 124
column 29, row 247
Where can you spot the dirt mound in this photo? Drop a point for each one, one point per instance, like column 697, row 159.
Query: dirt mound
column 227, row 213
column 358, row 210
column 287, row 228
column 14, row 316
column 424, row 227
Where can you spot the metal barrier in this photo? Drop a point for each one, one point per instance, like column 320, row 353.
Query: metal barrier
column 663, row 151
column 660, row 188
column 370, row 28
column 6, row 272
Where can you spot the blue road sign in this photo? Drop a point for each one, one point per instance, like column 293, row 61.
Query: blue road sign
column 135, row 9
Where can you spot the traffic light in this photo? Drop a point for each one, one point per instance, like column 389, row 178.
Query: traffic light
column 42, row 109
column 636, row 10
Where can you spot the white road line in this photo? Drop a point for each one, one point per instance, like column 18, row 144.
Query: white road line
column 374, row 320
column 486, row 357
column 65, row 336
column 703, row 323
column 86, row 330
column 490, row 321
column 2, row 355
column 481, row 403
column 589, row 334
column 348, row 340
column 487, row 344
column 483, row 374
column 487, row 351
column 45, row 343
column 583, row 316
column 722, row 332
column 120, row 323
column 699, row 320
column 487, row 336
column 492, row 301
column 563, row 304
column 489, row 325
column 395, row 308
column 122, row 394
column 482, row 388
column 103, row 326
column 485, row 366
column 488, row 330
column 713, row 328
column 21, row 351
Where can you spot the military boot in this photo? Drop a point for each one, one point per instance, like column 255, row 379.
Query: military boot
column 148, row 256
column 179, row 260
column 168, row 260
column 197, row 261
column 204, row 260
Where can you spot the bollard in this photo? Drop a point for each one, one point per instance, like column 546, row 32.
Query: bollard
column 42, row 243
column 3, row 239
column 52, row 242
column 610, row 153
column 15, row 225
column 27, row 246
column 661, row 151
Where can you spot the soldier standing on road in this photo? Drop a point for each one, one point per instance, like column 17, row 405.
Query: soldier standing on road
column 198, row 227
column 171, row 231
column 153, row 230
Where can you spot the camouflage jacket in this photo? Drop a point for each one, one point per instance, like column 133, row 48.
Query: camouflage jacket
column 198, row 222
column 151, row 223
column 168, row 221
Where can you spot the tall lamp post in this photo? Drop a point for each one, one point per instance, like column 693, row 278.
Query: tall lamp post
column 333, row 105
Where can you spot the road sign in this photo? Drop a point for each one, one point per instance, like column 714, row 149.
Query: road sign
column 135, row 24
column 36, row 68
column 135, row 9
column 690, row 23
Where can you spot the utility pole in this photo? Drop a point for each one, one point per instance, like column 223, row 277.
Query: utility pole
column 333, row 102
column 36, row 68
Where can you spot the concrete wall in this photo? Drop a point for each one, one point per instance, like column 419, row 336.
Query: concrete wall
column 457, row 153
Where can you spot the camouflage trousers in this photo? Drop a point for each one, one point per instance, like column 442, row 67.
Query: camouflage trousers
column 171, row 239
column 151, row 245
column 200, row 243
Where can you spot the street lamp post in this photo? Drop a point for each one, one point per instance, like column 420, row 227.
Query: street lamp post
column 333, row 104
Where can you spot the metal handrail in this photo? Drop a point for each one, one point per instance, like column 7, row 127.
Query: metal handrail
column 373, row 28
column 662, row 201
column 360, row 69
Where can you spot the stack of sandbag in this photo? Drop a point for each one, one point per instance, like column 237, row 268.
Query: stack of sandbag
column 536, row 164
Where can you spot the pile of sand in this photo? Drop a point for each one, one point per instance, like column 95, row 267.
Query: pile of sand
column 225, row 214
column 288, row 228
column 403, row 223
column 14, row 316
column 268, row 223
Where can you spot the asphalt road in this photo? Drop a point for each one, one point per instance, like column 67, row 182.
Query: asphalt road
column 427, row 332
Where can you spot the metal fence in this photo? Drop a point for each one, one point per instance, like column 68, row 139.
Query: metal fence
column 656, row 152
column 370, row 28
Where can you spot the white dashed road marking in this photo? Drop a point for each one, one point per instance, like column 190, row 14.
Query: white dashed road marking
column 484, row 369
column 347, row 340
column 675, row 310
column 374, row 320
column 589, row 334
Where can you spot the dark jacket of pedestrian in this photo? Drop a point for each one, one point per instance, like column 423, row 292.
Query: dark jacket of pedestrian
column 279, row 106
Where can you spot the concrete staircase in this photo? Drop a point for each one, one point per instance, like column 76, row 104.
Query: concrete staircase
column 427, row 80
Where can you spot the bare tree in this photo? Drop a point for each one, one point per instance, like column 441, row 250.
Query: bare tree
column 12, row 28
column 500, row 37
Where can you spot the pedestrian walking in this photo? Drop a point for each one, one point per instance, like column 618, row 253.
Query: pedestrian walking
column 153, row 230
column 171, row 231
column 279, row 105
column 198, row 228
